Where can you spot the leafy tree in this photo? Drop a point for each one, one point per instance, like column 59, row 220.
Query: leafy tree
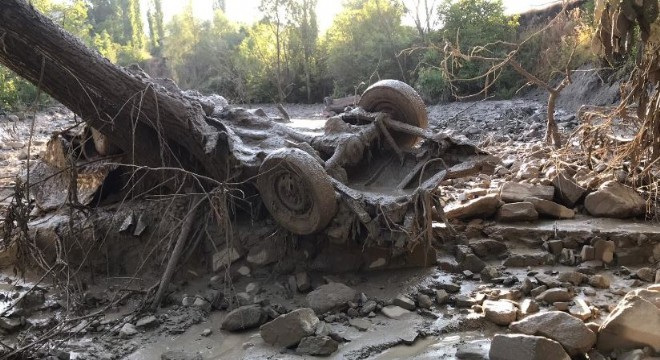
column 156, row 27
column 364, row 42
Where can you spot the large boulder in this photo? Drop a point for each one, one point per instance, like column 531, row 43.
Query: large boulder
column 330, row 297
column 520, row 211
column 317, row 345
column 243, row 318
column 525, row 347
column 634, row 323
column 570, row 332
column 287, row 330
column 512, row 192
column 484, row 206
column 615, row 200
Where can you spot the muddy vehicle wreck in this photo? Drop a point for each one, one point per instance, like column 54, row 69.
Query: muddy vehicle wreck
column 368, row 180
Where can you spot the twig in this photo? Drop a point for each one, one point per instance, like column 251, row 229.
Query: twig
column 176, row 254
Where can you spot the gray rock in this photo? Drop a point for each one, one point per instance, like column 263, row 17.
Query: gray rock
column 243, row 318
column 568, row 190
column 329, row 297
column 615, row 200
column 525, row 347
column 634, row 323
column 580, row 309
column 555, row 295
column 573, row 277
column 548, row 280
column 360, row 324
column 555, row 246
column 604, row 250
column 484, row 206
column 473, row 350
column 424, row 301
column 128, row 330
column 287, row 330
column 225, row 257
column 405, row 302
column 10, row 324
column 500, row 312
column 646, row 274
column 520, row 211
column 487, row 248
column 394, row 312
column 599, row 281
column 522, row 260
column 513, row 192
column 441, row 296
column 147, row 322
column 368, row 307
column 551, row 209
column 529, row 307
column 317, row 346
column 472, row 263
column 571, row 333
column 180, row 355
column 302, row 282
column 267, row 252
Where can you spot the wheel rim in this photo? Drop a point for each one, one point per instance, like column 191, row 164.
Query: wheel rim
column 292, row 192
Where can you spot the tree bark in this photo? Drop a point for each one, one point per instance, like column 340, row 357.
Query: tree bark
column 154, row 127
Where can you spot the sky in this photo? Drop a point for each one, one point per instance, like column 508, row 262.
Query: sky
column 246, row 11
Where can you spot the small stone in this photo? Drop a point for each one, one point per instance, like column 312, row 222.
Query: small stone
column 243, row 318
column 302, row 282
column 317, row 346
column 225, row 257
column 394, row 312
column 450, row 287
column 360, row 324
column 580, row 309
column 10, row 324
column 463, row 301
column 604, row 250
column 547, row 280
column 599, row 281
column 646, row 274
column 555, row 246
column 147, row 322
column 529, row 307
column 551, row 209
column 405, row 302
column 561, row 305
column 424, row 301
column 128, row 330
column 180, row 355
column 472, row 263
column 244, row 270
column 441, row 296
column 202, row 304
column 551, row 296
column 333, row 296
column 527, row 286
column 588, row 253
column 206, row 332
column 499, row 312
column 289, row 329
column 573, row 277
column 538, row 290
column 368, row 307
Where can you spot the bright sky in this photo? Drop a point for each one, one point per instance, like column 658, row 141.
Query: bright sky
column 246, row 11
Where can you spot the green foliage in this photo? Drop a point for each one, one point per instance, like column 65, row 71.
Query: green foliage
column 364, row 43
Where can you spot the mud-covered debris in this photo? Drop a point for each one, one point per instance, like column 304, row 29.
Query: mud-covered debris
column 289, row 329
column 615, row 200
column 525, row 347
column 333, row 296
column 147, row 322
column 243, row 318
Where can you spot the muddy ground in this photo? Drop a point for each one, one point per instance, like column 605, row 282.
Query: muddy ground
column 444, row 329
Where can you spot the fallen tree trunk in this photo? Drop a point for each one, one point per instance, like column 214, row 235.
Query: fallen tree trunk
column 154, row 127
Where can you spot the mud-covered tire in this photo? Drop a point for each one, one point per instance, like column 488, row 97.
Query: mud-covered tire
column 400, row 101
column 297, row 191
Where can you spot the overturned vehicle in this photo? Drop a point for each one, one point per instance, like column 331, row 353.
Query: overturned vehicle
column 367, row 180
